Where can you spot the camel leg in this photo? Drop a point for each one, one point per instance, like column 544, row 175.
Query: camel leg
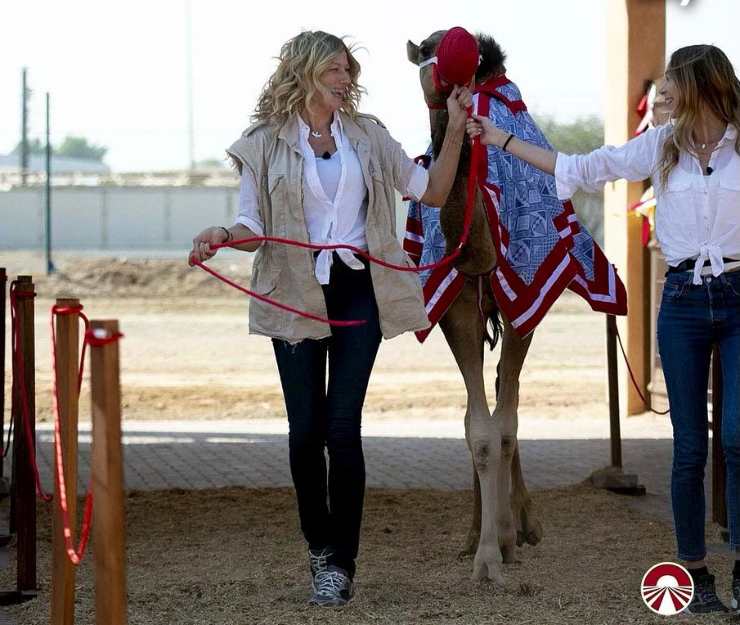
column 470, row 546
column 513, row 352
column 464, row 334
column 529, row 529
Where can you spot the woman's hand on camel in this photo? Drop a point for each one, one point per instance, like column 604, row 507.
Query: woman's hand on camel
column 203, row 241
column 457, row 104
column 479, row 126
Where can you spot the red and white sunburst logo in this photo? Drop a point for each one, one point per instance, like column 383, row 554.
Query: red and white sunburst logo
column 667, row 588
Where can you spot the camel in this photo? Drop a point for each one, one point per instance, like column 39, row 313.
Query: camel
column 503, row 513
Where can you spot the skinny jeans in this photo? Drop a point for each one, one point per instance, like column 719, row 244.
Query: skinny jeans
column 692, row 319
column 327, row 415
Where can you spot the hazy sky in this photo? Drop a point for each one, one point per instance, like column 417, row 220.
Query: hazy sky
column 116, row 70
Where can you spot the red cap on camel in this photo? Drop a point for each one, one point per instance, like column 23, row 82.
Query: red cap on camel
column 457, row 56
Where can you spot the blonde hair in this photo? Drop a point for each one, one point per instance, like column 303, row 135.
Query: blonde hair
column 704, row 79
column 295, row 84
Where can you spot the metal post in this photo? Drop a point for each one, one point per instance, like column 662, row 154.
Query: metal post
column 615, row 434
column 49, row 263
column 24, row 127
column 189, row 80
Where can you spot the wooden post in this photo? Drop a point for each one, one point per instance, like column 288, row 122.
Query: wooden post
column 635, row 53
column 107, row 478
column 3, row 290
column 25, row 487
column 615, row 433
column 719, row 477
column 67, row 363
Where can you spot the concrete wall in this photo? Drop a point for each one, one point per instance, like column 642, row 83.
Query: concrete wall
column 121, row 218
column 114, row 218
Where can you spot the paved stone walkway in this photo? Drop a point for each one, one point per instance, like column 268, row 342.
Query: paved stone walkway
column 398, row 454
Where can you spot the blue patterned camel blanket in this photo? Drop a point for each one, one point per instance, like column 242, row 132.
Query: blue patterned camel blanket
column 542, row 249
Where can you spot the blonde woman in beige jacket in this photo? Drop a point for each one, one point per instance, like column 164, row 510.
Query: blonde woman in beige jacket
column 314, row 169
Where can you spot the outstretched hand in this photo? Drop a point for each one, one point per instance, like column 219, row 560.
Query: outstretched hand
column 480, row 126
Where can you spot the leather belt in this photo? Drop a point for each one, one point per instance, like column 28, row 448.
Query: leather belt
column 688, row 264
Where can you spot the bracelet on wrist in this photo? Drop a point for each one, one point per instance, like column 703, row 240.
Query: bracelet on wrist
column 229, row 236
column 509, row 138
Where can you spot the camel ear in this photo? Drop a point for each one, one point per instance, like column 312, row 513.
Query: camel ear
column 412, row 51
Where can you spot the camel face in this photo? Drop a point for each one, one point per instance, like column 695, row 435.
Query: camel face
column 417, row 55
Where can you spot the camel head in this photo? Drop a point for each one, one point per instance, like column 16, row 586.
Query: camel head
column 436, row 91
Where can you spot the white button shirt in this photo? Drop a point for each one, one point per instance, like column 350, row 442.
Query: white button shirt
column 332, row 217
column 696, row 215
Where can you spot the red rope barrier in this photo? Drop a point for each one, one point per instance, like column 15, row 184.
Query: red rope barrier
column 90, row 338
column 75, row 555
column 21, row 386
column 634, row 381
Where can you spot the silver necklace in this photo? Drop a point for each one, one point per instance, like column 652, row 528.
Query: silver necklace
column 316, row 133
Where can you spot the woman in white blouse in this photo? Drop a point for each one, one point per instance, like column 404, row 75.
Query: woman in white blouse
column 313, row 169
column 694, row 163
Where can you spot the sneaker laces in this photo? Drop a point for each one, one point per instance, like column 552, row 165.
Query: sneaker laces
column 330, row 582
column 319, row 561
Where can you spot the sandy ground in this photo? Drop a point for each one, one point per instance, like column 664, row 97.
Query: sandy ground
column 235, row 556
column 187, row 353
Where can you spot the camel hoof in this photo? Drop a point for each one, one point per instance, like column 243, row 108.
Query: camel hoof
column 487, row 565
column 470, row 546
column 530, row 529
column 535, row 533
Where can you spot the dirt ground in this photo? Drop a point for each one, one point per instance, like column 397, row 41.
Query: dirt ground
column 233, row 556
column 236, row 556
column 187, row 353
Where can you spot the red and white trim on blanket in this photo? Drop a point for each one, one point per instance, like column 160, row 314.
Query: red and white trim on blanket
column 524, row 305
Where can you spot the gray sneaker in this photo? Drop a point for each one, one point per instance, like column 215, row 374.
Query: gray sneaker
column 318, row 561
column 332, row 588
column 735, row 603
column 705, row 597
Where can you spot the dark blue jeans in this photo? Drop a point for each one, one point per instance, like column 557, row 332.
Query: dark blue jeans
column 322, row 415
column 692, row 319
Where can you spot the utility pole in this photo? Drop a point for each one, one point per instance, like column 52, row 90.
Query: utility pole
column 24, row 127
column 49, row 263
column 189, row 80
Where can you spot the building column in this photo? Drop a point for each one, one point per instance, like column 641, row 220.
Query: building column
column 636, row 53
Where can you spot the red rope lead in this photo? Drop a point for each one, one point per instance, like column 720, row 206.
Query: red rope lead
column 477, row 151
column 262, row 298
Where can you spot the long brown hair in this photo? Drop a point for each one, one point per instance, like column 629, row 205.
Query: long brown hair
column 295, row 83
column 704, row 79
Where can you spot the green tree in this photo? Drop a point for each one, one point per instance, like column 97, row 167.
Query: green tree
column 78, row 147
column 34, row 147
column 579, row 137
